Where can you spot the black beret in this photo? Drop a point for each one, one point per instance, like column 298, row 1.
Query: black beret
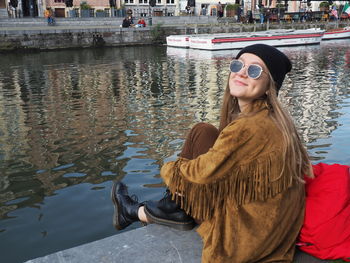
column 276, row 61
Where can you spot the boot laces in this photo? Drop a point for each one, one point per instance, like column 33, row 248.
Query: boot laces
column 166, row 196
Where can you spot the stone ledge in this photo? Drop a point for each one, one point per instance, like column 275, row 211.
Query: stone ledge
column 153, row 243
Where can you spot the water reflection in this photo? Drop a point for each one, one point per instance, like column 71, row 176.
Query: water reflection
column 73, row 121
column 318, row 88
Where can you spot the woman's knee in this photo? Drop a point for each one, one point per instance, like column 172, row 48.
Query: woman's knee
column 206, row 130
column 199, row 140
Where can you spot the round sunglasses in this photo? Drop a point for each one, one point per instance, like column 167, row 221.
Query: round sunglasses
column 253, row 71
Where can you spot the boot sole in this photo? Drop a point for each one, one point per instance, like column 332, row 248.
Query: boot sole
column 117, row 209
column 183, row 226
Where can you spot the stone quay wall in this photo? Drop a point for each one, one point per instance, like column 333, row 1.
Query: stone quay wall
column 77, row 38
column 83, row 34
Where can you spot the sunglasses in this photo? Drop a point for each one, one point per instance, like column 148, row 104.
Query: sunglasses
column 253, row 71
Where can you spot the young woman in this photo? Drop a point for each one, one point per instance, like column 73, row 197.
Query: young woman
column 243, row 182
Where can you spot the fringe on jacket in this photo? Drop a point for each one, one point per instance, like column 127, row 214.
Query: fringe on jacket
column 257, row 180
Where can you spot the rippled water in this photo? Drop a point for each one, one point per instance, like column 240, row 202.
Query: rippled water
column 71, row 122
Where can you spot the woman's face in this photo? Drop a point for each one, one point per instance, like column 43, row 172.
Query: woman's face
column 244, row 88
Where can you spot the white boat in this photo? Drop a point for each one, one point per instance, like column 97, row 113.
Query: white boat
column 178, row 41
column 200, row 54
column 281, row 37
column 272, row 37
column 337, row 33
column 184, row 40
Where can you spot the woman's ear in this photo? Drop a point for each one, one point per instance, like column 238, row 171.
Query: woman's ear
column 267, row 92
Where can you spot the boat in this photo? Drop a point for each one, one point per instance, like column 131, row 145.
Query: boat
column 281, row 37
column 273, row 37
column 184, row 40
column 178, row 41
column 337, row 33
column 200, row 54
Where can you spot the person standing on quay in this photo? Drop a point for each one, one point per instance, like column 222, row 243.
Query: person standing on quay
column 243, row 183
column 220, row 10
column 48, row 16
column 261, row 14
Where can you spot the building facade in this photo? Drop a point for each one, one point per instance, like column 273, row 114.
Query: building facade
column 207, row 7
column 35, row 8
column 23, row 8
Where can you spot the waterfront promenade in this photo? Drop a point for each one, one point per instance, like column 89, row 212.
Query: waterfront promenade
column 150, row 244
column 23, row 25
column 35, row 34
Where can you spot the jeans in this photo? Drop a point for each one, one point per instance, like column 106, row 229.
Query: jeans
column 50, row 20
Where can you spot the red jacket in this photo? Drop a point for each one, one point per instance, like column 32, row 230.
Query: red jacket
column 326, row 230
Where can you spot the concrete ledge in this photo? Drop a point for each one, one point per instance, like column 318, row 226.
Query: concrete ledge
column 153, row 243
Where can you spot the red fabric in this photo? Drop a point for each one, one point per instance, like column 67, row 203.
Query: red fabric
column 326, row 229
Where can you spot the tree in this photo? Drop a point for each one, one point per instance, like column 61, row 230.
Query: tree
column 85, row 6
column 324, row 4
column 231, row 9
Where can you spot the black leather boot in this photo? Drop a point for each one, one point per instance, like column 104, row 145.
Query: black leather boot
column 167, row 212
column 125, row 207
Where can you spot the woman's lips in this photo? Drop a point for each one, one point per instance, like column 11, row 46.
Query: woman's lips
column 240, row 83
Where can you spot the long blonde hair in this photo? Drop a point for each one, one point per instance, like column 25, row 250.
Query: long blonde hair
column 295, row 158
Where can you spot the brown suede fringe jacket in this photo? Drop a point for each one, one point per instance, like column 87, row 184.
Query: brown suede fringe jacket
column 251, row 212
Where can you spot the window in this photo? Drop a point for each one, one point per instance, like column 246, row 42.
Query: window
column 170, row 1
column 59, row 1
column 143, row 1
column 159, row 2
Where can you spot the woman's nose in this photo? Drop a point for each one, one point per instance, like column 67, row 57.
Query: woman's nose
column 243, row 71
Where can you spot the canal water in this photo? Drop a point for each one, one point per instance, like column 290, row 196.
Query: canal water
column 72, row 122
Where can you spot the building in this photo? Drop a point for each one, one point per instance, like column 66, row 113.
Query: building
column 206, row 7
column 160, row 8
column 35, row 8
column 21, row 8
column 61, row 10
